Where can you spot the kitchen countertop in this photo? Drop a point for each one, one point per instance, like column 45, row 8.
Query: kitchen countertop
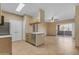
column 5, row 36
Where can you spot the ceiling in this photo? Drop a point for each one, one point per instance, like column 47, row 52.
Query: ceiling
column 56, row 10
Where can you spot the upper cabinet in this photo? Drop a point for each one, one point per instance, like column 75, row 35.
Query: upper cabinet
column 0, row 13
column 40, row 17
column 34, row 21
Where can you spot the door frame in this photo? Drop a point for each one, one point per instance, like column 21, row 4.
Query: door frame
column 21, row 29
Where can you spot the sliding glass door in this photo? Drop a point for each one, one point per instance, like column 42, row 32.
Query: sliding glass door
column 65, row 29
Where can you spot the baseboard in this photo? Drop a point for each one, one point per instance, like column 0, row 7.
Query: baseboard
column 16, row 40
column 51, row 35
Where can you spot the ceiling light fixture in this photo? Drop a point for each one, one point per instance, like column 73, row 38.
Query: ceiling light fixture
column 20, row 7
column 52, row 19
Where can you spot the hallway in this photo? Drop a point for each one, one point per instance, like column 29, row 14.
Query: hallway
column 53, row 46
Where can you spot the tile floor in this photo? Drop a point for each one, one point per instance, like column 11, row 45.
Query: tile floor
column 53, row 46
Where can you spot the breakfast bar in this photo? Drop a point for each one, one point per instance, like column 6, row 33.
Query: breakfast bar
column 35, row 38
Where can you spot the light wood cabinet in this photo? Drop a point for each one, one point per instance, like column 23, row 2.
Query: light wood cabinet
column 5, row 46
column 0, row 13
column 28, row 37
column 35, row 39
column 77, row 27
column 40, row 17
column 39, row 39
column 34, row 21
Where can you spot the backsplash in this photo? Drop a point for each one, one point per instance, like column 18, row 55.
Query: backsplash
column 4, row 29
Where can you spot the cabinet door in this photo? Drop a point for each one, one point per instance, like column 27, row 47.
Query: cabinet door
column 39, row 39
column 28, row 37
column 5, row 45
column 33, row 39
column 0, row 13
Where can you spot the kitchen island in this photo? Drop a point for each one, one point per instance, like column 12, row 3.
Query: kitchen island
column 35, row 38
column 5, row 44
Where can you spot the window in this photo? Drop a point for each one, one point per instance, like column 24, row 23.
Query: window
column 65, row 27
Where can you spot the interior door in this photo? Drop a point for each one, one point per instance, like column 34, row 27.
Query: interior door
column 16, row 29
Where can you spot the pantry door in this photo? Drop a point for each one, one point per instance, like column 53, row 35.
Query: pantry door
column 16, row 29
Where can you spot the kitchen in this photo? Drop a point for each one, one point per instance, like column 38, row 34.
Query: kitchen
column 33, row 29
column 5, row 37
column 13, row 29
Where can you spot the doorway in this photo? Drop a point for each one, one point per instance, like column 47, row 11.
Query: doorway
column 16, row 30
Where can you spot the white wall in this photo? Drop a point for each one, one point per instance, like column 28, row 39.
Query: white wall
column 27, row 28
column 24, row 27
column 42, row 28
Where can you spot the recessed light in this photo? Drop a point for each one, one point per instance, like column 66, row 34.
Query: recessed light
column 20, row 7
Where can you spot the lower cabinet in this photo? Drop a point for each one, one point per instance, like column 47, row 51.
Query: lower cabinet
column 39, row 39
column 35, row 39
column 5, row 46
column 28, row 37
